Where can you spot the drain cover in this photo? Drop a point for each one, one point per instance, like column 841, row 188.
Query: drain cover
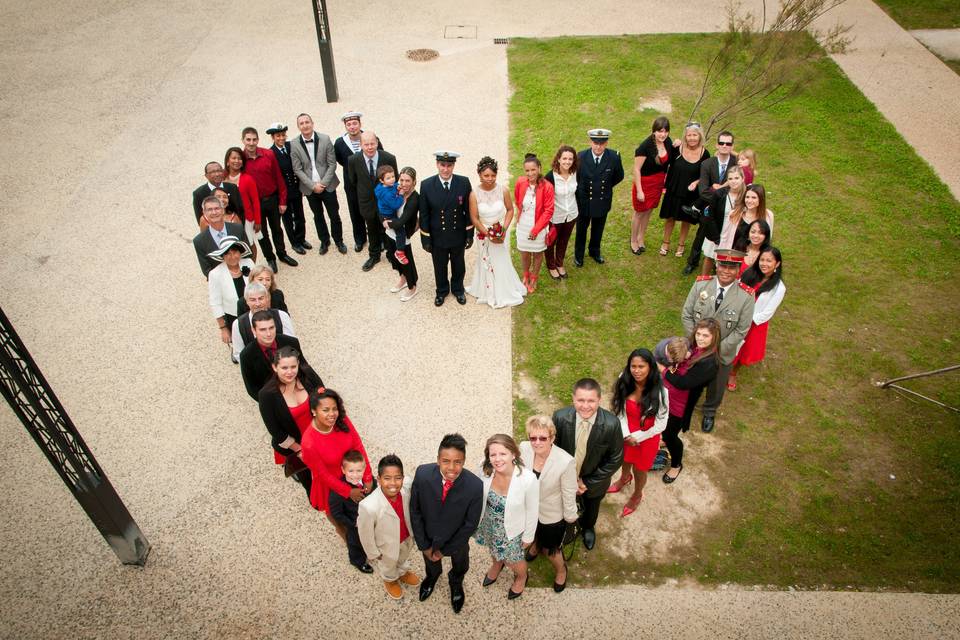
column 422, row 55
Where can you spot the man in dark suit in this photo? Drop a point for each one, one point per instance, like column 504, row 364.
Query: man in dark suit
column 445, row 506
column 713, row 176
column 601, row 169
column 316, row 167
column 292, row 218
column 213, row 172
column 256, row 359
column 343, row 147
column 592, row 436
column 362, row 170
column 209, row 239
column 256, row 298
column 445, row 227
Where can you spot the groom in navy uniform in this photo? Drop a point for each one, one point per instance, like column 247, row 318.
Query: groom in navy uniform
column 600, row 171
column 446, row 231
column 445, row 506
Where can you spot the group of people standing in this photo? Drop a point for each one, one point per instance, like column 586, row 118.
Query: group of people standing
column 527, row 497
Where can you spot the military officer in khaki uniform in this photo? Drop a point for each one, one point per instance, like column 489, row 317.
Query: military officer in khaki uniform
column 601, row 169
column 730, row 302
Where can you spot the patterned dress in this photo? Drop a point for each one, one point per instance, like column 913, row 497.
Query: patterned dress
column 492, row 534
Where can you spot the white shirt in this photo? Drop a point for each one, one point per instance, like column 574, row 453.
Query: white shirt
column 565, row 198
column 366, row 163
column 767, row 303
column 218, row 235
column 285, row 322
column 353, row 144
column 725, row 290
column 311, row 149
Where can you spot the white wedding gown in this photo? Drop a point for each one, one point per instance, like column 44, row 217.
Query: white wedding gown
column 495, row 281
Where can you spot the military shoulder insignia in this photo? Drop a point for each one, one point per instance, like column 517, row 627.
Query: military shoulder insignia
column 704, row 278
column 747, row 288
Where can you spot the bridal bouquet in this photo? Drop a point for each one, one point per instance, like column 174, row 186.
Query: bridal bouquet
column 496, row 232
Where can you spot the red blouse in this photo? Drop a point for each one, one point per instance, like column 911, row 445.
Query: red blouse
column 323, row 453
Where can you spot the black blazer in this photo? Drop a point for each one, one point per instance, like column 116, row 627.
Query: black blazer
column 695, row 380
column 712, row 217
column 604, row 447
column 344, row 510
column 343, row 151
column 203, row 244
column 595, row 182
column 446, row 526
column 254, row 368
column 445, row 215
column 276, row 414
column 286, row 168
column 408, row 218
column 363, row 185
column 234, row 204
column 710, row 174
column 277, row 301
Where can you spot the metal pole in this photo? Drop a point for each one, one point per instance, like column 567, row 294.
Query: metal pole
column 326, row 49
column 31, row 398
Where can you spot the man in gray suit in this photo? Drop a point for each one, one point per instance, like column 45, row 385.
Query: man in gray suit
column 315, row 164
column 209, row 239
column 731, row 303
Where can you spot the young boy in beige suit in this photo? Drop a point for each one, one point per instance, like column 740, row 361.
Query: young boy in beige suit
column 383, row 522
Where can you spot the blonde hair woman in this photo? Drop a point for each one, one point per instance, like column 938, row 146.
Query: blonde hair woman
column 681, row 187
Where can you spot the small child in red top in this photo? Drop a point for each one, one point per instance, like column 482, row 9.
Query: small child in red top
column 383, row 523
column 344, row 510
column 389, row 204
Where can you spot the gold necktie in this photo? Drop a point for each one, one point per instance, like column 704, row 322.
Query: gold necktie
column 583, row 434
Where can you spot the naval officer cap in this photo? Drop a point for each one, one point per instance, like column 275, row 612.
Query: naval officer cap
column 276, row 127
column 730, row 256
column 351, row 115
column 446, row 156
column 599, row 135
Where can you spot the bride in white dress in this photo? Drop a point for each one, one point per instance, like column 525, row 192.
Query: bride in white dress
column 495, row 281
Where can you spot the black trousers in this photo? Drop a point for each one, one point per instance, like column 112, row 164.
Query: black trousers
column 374, row 235
column 409, row 270
column 595, row 226
column 589, row 510
column 293, row 220
column 306, row 479
column 696, row 250
column 715, row 391
column 460, row 559
column 270, row 225
column 328, row 200
column 671, row 437
column 355, row 552
column 441, row 257
column 353, row 205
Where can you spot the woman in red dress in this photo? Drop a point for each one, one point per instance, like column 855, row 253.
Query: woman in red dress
column 766, row 278
column 330, row 434
column 650, row 163
column 640, row 400
column 285, row 409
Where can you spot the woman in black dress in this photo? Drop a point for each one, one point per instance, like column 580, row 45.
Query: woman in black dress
column 681, row 187
column 407, row 285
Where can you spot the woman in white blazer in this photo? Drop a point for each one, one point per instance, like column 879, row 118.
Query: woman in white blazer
column 226, row 282
column 557, row 473
column 508, row 521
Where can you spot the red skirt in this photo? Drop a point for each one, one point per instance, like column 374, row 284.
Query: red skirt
column 642, row 455
column 652, row 187
column 754, row 345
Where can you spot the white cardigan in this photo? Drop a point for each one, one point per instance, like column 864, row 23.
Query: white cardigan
column 767, row 303
column 659, row 424
column 558, row 484
column 523, row 503
column 223, row 295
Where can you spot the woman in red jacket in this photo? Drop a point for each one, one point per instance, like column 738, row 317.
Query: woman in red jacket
column 235, row 161
column 534, row 198
column 330, row 435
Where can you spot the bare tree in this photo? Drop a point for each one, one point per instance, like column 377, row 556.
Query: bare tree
column 759, row 65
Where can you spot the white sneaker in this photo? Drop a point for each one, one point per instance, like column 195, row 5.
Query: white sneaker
column 409, row 296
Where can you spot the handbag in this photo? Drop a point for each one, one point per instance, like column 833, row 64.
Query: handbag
column 293, row 465
column 551, row 235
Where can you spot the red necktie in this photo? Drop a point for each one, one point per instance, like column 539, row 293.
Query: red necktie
column 446, row 489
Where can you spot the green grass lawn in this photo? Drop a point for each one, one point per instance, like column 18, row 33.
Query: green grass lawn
column 923, row 14
column 809, row 445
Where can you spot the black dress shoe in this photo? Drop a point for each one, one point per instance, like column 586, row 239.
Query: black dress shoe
column 272, row 264
column 487, row 580
column 707, row 424
column 513, row 595
column 358, row 247
column 456, row 598
column 299, row 249
column 324, row 247
column 438, row 301
column 667, row 479
column 369, row 264
column 342, row 248
column 598, row 259
column 426, row 590
column 285, row 259
column 557, row 587
column 462, row 299
column 578, row 262
column 306, row 245
column 687, row 270
column 364, row 568
column 589, row 539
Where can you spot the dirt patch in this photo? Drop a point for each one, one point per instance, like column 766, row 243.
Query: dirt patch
column 658, row 103
column 529, row 391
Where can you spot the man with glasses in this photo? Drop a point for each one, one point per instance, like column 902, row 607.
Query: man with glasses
column 713, row 176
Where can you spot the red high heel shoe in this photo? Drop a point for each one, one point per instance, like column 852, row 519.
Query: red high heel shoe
column 619, row 484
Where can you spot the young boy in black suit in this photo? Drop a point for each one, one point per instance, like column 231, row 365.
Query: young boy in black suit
column 344, row 510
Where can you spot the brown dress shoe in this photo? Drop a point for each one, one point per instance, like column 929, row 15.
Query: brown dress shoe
column 393, row 589
column 410, row 578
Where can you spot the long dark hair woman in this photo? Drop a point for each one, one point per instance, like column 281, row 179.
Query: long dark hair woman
column 766, row 277
column 407, row 220
column 685, row 382
column 640, row 401
column 651, row 160
column 285, row 409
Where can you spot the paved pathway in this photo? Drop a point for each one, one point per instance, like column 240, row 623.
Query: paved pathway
column 129, row 98
column 943, row 42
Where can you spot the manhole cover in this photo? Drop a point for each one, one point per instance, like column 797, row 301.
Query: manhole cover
column 422, row 55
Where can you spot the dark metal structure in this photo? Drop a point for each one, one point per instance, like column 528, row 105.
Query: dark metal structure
column 28, row 393
column 326, row 49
